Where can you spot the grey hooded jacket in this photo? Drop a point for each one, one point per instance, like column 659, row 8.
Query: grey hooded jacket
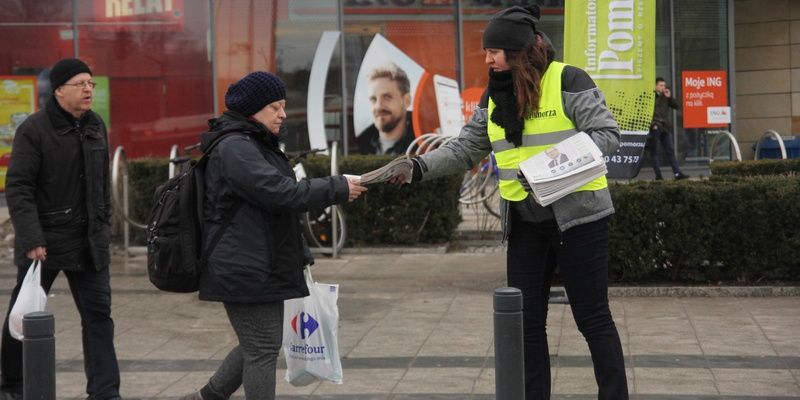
column 584, row 104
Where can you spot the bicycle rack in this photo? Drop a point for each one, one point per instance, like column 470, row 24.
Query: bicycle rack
column 173, row 155
column 121, row 205
column 735, row 144
column 776, row 135
column 429, row 141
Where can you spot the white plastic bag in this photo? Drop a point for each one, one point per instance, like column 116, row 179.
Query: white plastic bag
column 31, row 298
column 310, row 342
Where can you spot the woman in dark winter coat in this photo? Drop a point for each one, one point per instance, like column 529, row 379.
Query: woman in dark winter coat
column 259, row 259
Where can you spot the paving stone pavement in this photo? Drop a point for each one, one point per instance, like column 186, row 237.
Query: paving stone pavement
column 419, row 326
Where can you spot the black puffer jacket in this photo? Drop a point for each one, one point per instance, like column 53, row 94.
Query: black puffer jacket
column 260, row 257
column 57, row 189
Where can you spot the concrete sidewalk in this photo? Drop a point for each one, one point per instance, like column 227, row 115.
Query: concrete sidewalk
column 419, row 326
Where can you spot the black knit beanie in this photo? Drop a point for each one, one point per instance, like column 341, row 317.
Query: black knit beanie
column 65, row 69
column 253, row 92
column 512, row 28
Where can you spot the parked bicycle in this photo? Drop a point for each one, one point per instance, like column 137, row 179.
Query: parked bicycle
column 318, row 224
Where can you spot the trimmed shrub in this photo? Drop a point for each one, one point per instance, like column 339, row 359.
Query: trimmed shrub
column 756, row 167
column 387, row 215
column 425, row 212
column 144, row 174
column 732, row 227
column 742, row 229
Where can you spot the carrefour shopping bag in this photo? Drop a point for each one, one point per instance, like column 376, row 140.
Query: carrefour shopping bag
column 310, row 342
column 31, row 298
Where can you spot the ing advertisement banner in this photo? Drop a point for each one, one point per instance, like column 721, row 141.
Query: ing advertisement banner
column 614, row 42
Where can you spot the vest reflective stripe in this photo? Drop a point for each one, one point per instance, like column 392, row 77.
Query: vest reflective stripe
column 534, row 140
column 546, row 127
column 507, row 174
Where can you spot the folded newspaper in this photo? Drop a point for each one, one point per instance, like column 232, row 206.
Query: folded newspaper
column 397, row 167
column 559, row 170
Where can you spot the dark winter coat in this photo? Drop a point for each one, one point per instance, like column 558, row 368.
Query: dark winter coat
column 662, row 120
column 57, row 189
column 260, row 257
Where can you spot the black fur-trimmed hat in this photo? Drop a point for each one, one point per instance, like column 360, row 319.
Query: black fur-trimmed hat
column 512, row 28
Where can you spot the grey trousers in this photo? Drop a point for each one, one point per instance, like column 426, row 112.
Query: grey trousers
column 259, row 328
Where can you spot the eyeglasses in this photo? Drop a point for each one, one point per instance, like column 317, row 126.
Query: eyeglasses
column 83, row 85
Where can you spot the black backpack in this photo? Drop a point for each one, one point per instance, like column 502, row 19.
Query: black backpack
column 174, row 230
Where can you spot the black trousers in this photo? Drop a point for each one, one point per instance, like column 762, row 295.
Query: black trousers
column 581, row 254
column 665, row 137
column 91, row 291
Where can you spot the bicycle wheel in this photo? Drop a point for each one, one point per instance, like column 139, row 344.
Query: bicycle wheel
column 479, row 184
column 318, row 228
column 492, row 202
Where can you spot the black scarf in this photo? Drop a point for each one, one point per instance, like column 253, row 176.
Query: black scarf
column 505, row 113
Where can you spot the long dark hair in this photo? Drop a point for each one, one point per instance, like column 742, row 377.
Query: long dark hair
column 528, row 66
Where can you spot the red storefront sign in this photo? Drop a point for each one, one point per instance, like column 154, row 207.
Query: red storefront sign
column 139, row 15
column 703, row 90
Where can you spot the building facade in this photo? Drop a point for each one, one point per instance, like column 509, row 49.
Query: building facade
column 163, row 65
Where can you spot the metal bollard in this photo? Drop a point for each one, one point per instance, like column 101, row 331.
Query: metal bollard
column 38, row 356
column 509, row 363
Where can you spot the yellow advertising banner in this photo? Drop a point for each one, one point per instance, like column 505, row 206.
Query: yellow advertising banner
column 18, row 100
column 614, row 42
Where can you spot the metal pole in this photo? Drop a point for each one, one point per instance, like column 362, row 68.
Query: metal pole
column 125, row 210
column 334, row 208
column 343, row 65
column 38, row 356
column 509, row 364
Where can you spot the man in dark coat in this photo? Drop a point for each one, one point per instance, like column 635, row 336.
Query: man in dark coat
column 57, row 189
column 661, row 130
column 259, row 259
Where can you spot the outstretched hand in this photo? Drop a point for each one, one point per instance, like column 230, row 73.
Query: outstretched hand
column 355, row 189
column 402, row 174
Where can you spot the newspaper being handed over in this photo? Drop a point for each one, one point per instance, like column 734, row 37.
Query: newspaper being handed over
column 568, row 165
column 400, row 166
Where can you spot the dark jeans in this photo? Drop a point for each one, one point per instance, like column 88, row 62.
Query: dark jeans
column 665, row 137
column 91, row 291
column 259, row 328
column 581, row 254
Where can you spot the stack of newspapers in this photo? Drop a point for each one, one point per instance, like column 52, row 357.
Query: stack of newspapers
column 559, row 170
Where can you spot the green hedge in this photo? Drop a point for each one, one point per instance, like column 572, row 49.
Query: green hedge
column 742, row 229
column 385, row 214
column 726, row 228
column 145, row 174
column 424, row 212
column 756, row 167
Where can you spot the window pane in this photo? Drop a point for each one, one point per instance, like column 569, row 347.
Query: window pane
column 152, row 57
column 701, row 43
column 425, row 32
column 279, row 37
column 36, row 34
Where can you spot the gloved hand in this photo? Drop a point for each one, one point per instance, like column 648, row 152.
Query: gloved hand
column 407, row 172
column 522, row 180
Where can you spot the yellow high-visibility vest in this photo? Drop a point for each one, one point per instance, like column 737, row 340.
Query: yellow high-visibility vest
column 546, row 127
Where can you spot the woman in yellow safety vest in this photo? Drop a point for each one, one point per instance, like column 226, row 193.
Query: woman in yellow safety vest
column 531, row 103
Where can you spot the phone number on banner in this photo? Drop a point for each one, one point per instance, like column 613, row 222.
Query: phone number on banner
column 617, row 159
